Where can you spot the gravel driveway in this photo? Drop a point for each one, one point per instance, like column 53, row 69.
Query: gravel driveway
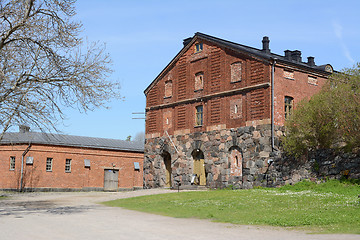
column 79, row 216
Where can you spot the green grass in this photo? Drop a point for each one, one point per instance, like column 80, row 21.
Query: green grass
column 331, row 207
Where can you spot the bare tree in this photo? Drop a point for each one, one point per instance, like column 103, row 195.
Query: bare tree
column 45, row 66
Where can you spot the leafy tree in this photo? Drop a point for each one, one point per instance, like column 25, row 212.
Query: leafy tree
column 44, row 64
column 330, row 119
column 139, row 137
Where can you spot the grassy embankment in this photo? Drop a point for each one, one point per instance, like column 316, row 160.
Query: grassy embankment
column 331, row 207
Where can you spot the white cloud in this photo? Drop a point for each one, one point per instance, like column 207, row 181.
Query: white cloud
column 338, row 33
column 337, row 30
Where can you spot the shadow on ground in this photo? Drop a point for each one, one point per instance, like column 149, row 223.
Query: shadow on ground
column 8, row 207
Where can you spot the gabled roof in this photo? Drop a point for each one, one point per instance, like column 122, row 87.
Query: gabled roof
column 12, row 138
column 258, row 53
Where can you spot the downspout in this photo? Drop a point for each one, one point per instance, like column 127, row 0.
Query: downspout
column 272, row 104
column 22, row 166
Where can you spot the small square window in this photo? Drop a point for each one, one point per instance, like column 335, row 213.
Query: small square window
column 68, row 165
column 136, row 166
column 312, row 80
column 87, row 163
column 288, row 74
column 49, row 162
column 198, row 47
column 12, row 163
column 199, row 116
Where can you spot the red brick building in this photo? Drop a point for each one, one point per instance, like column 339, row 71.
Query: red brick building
column 41, row 161
column 215, row 112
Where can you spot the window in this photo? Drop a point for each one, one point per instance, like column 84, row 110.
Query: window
column 312, row 80
column 236, row 70
column 199, row 116
column 168, row 89
column 289, row 102
column 199, row 81
column 198, row 47
column 68, row 165
column 288, row 74
column 12, row 163
column 49, row 162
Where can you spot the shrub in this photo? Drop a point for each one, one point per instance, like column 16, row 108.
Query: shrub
column 329, row 119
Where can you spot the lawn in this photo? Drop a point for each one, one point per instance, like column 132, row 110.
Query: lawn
column 331, row 207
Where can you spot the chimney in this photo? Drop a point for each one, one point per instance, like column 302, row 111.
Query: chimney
column 186, row 41
column 24, row 129
column 311, row 61
column 265, row 43
column 296, row 55
column 288, row 54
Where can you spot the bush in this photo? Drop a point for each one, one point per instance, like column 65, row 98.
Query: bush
column 329, row 119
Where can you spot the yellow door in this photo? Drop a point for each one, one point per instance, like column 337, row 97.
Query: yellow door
column 168, row 172
column 202, row 172
column 199, row 170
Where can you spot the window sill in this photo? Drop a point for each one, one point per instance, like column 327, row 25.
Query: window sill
column 198, row 90
column 167, row 97
column 67, row 171
column 289, row 78
column 236, row 81
column 48, row 170
column 198, row 126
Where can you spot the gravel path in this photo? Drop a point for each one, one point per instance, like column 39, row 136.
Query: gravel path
column 79, row 216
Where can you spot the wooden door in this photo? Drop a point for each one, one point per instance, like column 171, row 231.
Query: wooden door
column 111, row 179
column 199, row 170
column 168, row 172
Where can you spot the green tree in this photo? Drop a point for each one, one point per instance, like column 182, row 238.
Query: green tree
column 45, row 65
column 329, row 119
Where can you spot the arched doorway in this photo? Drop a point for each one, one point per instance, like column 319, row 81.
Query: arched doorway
column 199, row 176
column 167, row 164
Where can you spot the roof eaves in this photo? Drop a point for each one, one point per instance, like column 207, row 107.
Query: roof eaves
column 254, row 52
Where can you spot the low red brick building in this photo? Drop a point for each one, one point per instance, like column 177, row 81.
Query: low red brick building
column 215, row 113
column 42, row 161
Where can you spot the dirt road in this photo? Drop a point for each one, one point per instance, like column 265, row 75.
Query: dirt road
column 79, row 216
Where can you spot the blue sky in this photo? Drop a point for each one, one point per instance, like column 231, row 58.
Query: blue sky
column 143, row 36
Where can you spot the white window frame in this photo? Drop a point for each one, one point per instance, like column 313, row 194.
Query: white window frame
column 12, row 163
column 68, row 165
column 49, row 164
column 199, row 115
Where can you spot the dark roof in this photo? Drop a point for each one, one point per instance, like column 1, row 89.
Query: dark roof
column 259, row 53
column 72, row 141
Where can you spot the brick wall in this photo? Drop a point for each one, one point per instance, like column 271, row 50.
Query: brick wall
column 177, row 112
column 36, row 176
column 298, row 85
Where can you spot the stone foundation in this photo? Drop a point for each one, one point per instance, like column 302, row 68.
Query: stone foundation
column 318, row 165
column 239, row 158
